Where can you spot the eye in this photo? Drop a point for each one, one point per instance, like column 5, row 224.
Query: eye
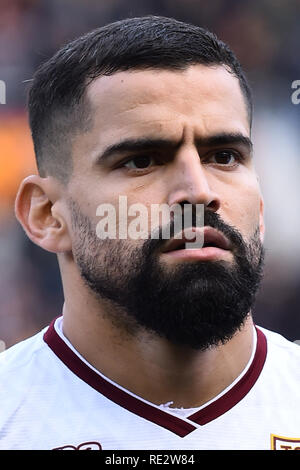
column 140, row 162
column 226, row 157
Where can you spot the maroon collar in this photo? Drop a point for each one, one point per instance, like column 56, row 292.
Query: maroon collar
column 147, row 411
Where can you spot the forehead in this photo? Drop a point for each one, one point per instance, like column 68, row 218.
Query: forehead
column 180, row 106
column 203, row 99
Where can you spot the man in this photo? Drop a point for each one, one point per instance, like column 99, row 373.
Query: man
column 156, row 346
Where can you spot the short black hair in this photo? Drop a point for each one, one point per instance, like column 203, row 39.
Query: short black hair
column 57, row 105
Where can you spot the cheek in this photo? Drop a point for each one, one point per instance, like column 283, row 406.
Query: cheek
column 241, row 208
column 125, row 219
column 142, row 202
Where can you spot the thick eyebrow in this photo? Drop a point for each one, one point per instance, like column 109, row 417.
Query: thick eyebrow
column 134, row 145
column 149, row 143
column 227, row 139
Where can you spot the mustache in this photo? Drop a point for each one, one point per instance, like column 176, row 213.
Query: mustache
column 211, row 219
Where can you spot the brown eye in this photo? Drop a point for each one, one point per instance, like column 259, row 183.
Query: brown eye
column 140, row 162
column 225, row 157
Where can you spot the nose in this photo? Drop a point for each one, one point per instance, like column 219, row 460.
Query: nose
column 189, row 183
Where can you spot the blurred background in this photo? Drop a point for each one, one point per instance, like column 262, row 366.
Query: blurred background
column 265, row 35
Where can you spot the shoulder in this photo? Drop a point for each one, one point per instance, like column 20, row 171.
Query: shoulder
column 282, row 355
column 25, row 371
column 278, row 342
column 21, row 360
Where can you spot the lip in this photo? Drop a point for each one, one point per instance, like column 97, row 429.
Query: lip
column 210, row 235
column 222, row 246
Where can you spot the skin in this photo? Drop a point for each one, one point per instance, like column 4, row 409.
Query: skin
column 184, row 107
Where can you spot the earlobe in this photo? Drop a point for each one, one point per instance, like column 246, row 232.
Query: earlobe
column 34, row 211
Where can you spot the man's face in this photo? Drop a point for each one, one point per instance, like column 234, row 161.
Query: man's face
column 195, row 127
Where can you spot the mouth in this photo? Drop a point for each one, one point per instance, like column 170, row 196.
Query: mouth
column 215, row 246
column 212, row 238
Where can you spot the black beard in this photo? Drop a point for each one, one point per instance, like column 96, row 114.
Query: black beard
column 194, row 304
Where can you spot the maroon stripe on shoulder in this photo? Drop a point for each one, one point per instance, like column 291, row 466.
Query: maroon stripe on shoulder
column 110, row 391
column 239, row 390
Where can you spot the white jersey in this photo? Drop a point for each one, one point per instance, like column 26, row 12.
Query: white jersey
column 51, row 398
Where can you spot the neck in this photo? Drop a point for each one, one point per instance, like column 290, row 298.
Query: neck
column 152, row 367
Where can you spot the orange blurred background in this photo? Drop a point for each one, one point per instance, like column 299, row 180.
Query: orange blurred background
column 17, row 155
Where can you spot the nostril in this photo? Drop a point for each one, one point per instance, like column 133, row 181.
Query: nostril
column 214, row 205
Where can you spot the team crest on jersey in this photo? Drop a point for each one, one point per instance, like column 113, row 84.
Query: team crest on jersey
column 284, row 443
column 83, row 446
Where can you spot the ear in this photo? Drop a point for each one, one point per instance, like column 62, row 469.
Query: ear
column 39, row 210
column 261, row 220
